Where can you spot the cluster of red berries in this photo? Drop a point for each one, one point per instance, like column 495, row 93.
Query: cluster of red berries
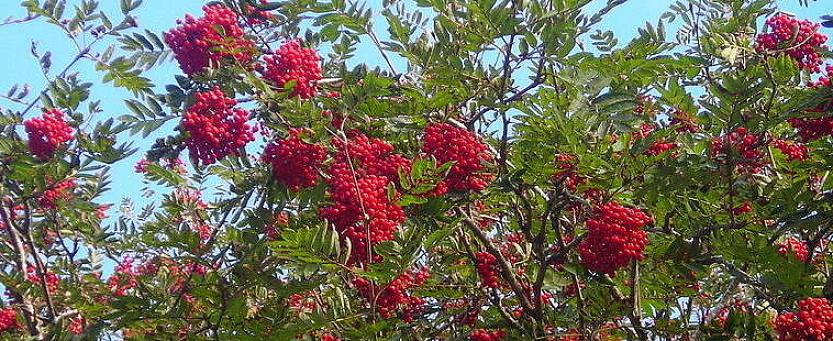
column 799, row 39
column 657, row 147
column 215, row 128
column 487, row 268
column 295, row 163
column 810, row 129
column 743, row 208
column 447, row 143
column 358, row 181
column 76, row 325
column 328, row 337
column 614, row 238
column 123, row 278
column 394, row 298
column 49, row 278
column 566, row 163
column 57, row 192
column 47, row 133
column 8, row 320
column 813, row 322
column 302, row 303
column 795, row 247
column 198, row 43
column 795, row 151
column 740, row 144
column 297, row 64
column 487, row 335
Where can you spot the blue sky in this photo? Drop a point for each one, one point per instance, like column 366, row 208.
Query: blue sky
column 159, row 15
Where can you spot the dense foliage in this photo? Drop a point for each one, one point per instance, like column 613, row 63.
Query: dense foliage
column 500, row 170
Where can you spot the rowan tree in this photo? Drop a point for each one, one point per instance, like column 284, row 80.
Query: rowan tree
column 501, row 170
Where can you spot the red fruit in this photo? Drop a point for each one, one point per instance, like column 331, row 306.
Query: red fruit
column 294, row 63
column 358, row 179
column 394, row 298
column 76, row 325
column 567, row 173
column 486, row 335
column 799, row 39
column 795, row 247
column 812, row 322
column 447, row 143
column 614, row 238
column 487, row 268
column 744, row 148
column 795, row 151
column 215, row 128
column 58, row 192
column 47, row 133
column 203, row 42
column 8, row 319
column 295, row 163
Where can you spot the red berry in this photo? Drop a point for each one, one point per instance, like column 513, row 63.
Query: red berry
column 799, row 39
column 795, row 151
column 486, row 335
column 812, row 322
column 358, row 179
column 795, row 247
column 487, row 268
column 447, row 143
column 295, row 163
column 744, row 148
column 8, row 319
column 47, row 133
column 215, row 128
column 203, row 42
column 294, row 63
column 614, row 238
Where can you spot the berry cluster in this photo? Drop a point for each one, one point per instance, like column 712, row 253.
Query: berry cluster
column 198, row 43
column 47, row 133
column 795, row 247
column 799, row 39
column 295, row 163
column 812, row 322
column 743, row 208
column 743, row 146
column 60, row 191
column 657, row 147
column 487, row 268
column 815, row 128
column 486, row 335
column 49, row 278
column 123, row 278
column 294, row 63
column 76, row 325
column 8, row 319
column 795, row 151
column 447, row 143
column 301, row 303
column 614, row 238
column 567, row 175
column 394, row 297
column 215, row 128
column 358, row 181
column 328, row 337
